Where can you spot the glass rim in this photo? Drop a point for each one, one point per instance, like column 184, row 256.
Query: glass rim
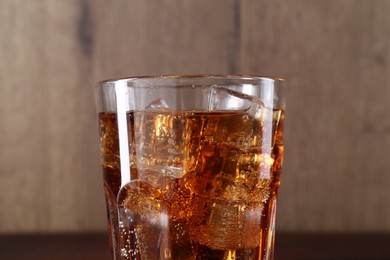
column 194, row 76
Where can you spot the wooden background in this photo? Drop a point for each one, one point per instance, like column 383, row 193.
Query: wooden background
column 335, row 55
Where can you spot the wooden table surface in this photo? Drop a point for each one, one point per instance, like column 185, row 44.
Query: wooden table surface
column 288, row 246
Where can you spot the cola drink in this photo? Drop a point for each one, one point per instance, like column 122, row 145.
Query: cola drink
column 199, row 184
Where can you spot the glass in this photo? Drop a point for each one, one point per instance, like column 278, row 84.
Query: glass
column 191, row 165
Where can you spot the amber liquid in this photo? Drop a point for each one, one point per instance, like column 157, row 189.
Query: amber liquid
column 202, row 185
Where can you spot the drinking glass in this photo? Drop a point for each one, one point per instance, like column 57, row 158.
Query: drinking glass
column 191, row 165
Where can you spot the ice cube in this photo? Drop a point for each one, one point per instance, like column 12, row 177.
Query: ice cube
column 223, row 225
column 141, row 198
column 222, row 98
column 251, row 124
column 158, row 104
column 234, row 160
column 143, row 221
column 160, row 139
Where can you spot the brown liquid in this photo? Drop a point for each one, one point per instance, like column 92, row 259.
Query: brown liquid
column 202, row 183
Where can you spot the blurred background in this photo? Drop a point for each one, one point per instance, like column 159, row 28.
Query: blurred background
column 334, row 54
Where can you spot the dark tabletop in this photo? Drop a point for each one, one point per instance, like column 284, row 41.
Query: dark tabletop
column 288, row 246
